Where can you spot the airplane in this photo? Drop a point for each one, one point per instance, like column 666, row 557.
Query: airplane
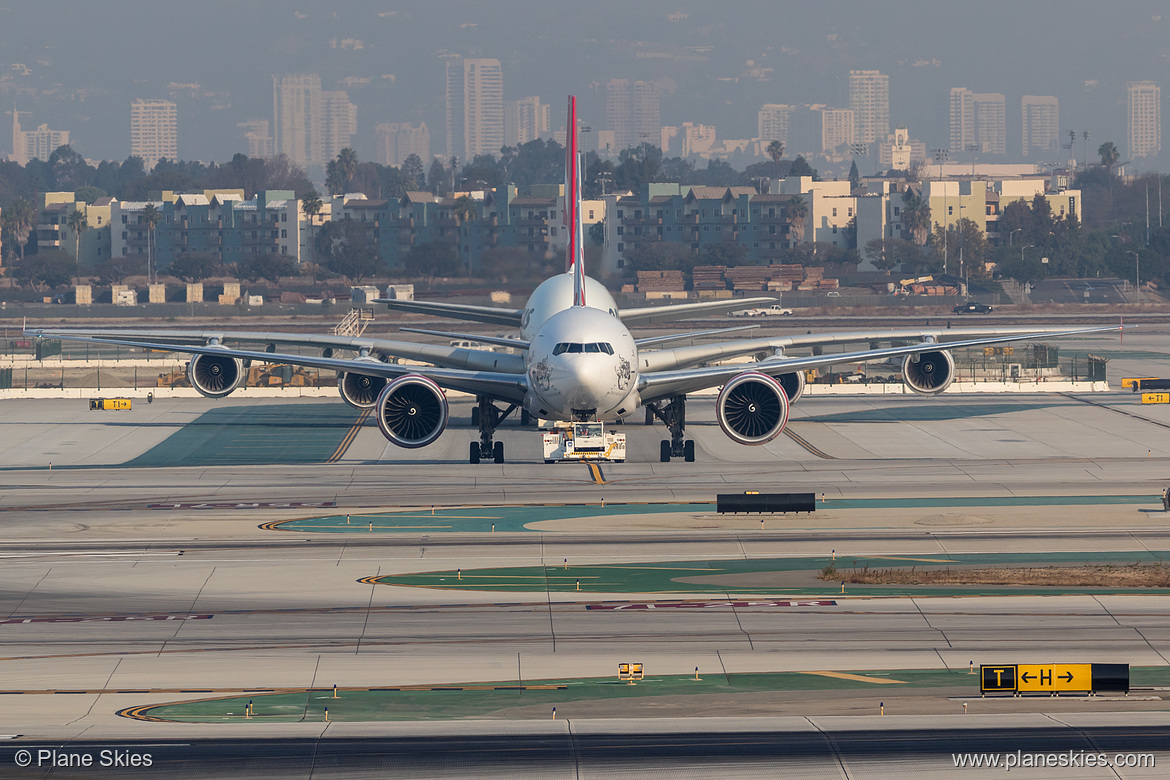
column 579, row 361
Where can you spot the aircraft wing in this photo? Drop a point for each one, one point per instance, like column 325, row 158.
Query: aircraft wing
column 671, row 359
column 677, row 311
column 458, row 311
column 435, row 354
column 653, row 386
column 504, row 386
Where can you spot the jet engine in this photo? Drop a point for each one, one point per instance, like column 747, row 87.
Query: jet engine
column 360, row 390
column 793, row 385
column 215, row 376
column 412, row 411
column 928, row 373
column 752, row 408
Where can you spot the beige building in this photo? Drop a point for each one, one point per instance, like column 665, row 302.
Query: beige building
column 632, row 112
column 296, row 128
column 154, row 131
column 395, row 141
column 1041, row 124
column 258, row 137
column 525, row 120
column 36, row 144
column 869, row 99
column 978, row 122
column 55, row 231
column 475, row 107
column 1145, row 119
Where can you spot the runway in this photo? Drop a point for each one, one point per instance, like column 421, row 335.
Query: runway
column 130, row 584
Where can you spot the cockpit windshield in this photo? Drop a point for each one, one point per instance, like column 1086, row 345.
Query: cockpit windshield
column 571, row 348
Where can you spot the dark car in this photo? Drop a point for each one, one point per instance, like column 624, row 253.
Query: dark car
column 971, row 307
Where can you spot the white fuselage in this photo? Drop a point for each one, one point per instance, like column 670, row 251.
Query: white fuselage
column 582, row 364
column 555, row 295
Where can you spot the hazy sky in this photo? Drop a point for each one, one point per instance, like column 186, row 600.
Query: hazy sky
column 77, row 66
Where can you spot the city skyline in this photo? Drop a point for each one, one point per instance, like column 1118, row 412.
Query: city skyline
column 710, row 67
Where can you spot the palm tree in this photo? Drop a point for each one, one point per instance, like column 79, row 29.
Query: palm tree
column 21, row 216
column 151, row 216
column 334, row 178
column 775, row 150
column 312, row 204
column 1109, row 156
column 77, row 222
column 797, row 210
column 347, row 161
column 916, row 216
column 464, row 211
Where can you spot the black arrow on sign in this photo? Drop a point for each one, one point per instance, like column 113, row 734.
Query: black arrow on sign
column 1067, row 676
column 1027, row 677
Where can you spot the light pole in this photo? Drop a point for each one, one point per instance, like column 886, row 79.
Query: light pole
column 1022, row 248
column 1012, row 234
column 1137, row 272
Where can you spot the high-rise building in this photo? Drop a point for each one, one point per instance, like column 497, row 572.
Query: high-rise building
column 36, row 144
column 869, row 99
column 475, row 107
column 258, row 136
column 1041, row 125
column 338, row 123
column 837, row 128
column 632, row 112
column 977, row 122
column 772, row 122
column 525, row 120
column 154, row 131
column 394, row 142
column 297, row 128
column 1145, row 119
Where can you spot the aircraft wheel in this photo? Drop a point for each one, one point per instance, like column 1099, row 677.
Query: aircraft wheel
column 498, row 452
column 649, row 418
column 550, row 461
column 664, row 452
column 474, row 456
column 689, row 451
column 475, row 416
column 525, row 418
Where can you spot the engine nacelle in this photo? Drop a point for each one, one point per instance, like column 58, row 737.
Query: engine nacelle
column 412, row 411
column 215, row 376
column 928, row 373
column 752, row 408
column 793, row 385
column 360, row 390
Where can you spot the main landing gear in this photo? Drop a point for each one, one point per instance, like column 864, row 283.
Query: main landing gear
column 488, row 417
column 674, row 416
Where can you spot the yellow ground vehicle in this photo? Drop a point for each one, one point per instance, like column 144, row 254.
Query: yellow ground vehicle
column 582, row 441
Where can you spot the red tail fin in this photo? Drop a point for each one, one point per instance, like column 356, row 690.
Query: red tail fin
column 575, row 256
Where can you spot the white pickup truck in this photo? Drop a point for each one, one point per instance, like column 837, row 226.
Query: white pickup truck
column 775, row 310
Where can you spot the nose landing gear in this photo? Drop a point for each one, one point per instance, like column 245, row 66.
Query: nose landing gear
column 674, row 416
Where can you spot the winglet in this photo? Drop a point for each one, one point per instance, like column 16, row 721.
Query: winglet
column 575, row 255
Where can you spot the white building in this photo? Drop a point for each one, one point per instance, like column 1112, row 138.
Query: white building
column 394, row 142
column 1145, row 119
column 869, row 99
column 525, row 120
column 1041, row 124
column 36, row 144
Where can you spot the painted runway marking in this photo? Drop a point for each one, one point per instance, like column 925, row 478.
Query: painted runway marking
column 247, row 505
column 105, row 619
column 595, row 474
column 858, row 678
column 710, row 605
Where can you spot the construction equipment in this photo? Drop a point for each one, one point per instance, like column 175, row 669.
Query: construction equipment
column 566, row 441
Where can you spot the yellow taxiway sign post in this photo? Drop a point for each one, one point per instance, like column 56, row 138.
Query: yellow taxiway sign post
column 1054, row 678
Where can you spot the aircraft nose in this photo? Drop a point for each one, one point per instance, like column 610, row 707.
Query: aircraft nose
column 589, row 380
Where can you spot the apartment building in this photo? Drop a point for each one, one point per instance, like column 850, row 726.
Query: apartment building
column 475, row 107
column 395, row 141
column 869, row 99
column 36, row 144
column 1041, row 125
column 1144, row 114
column 154, row 131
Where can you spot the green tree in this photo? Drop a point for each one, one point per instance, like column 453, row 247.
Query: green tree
column 916, row 216
column 724, row 253
column 46, row 270
column 77, row 223
column 265, row 265
column 117, row 269
column 665, row 256
column 775, row 150
column 431, row 259
column 796, row 211
column 504, row 263
column 20, row 218
column 346, row 250
column 412, row 169
column 334, row 178
column 854, row 176
column 800, row 167
column 312, row 205
column 437, row 178
column 347, row 160
column 194, row 266
column 151, row 216
column 1109, row 156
